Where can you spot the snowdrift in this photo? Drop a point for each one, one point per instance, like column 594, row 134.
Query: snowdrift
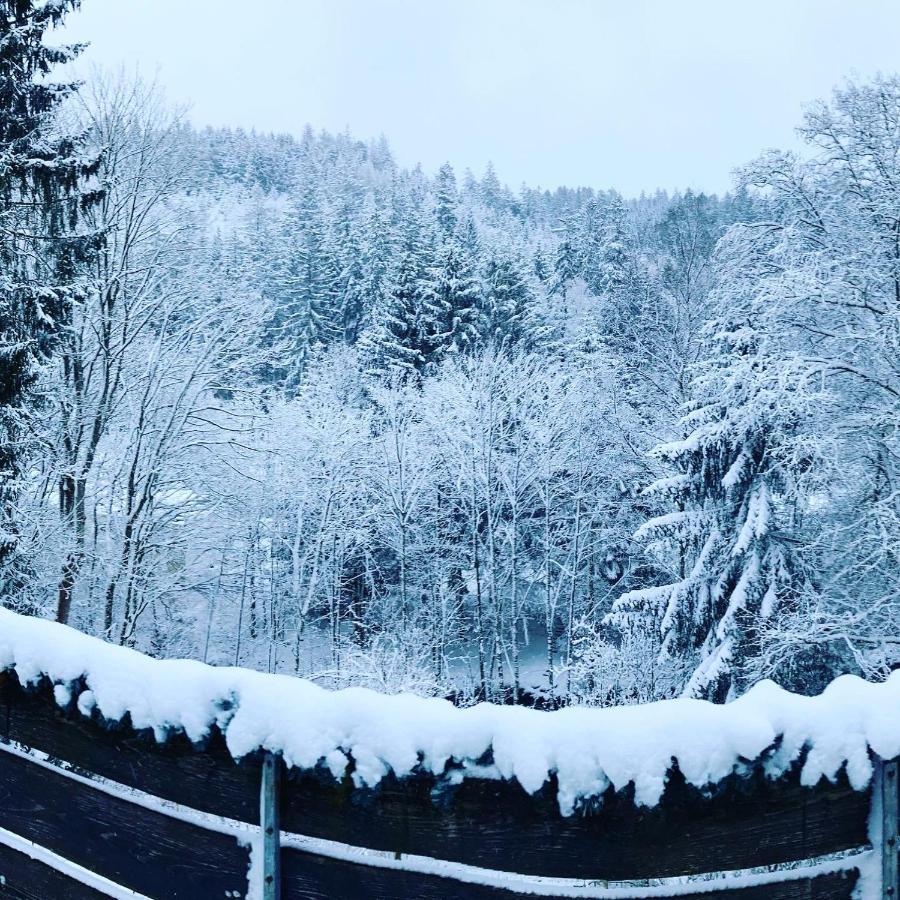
column 588, row 750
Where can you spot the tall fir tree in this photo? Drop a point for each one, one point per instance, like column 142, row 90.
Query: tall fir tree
column 567, row 262
column 490, row 190
column 393, row 346
column 446, row 200
column 452, row 308
column 609, row 269
column 511, row 314
column 300, row 284
column 727, row 536
column 44, row 175
column 366, row 270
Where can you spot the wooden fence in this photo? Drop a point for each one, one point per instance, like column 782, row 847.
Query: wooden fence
column 87, row 811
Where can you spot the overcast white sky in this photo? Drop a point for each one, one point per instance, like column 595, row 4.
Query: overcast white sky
column 631, row 94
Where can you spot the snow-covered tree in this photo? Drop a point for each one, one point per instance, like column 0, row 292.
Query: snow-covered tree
column 394, row 344
column 446, row 200
column 727, row 541
column 452, row 320
column 44, row 252
column 511, row 313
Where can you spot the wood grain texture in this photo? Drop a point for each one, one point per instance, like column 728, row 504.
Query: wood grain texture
column 748, row 821
column 141, row 849
column 23, row 878
column 744, row 821
column 309, row 877
column 209, row 780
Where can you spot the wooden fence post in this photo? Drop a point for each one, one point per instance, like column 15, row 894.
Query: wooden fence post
column 270, row 827
column 889, row 771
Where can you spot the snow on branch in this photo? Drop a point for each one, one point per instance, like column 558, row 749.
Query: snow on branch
column 683, row 523
column 588, row 749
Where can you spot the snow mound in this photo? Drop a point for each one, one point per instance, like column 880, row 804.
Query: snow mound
column 588, row 749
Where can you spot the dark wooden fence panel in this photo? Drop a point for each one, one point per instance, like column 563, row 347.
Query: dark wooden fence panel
column 209, row 781
column 745, row 821
column 750, row 821
column 309, row 877
column 138, row 848
column 27, row 879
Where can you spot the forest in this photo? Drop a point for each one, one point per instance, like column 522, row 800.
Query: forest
column 275, row 401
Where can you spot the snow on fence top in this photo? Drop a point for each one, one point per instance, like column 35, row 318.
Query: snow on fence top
column 588, row 749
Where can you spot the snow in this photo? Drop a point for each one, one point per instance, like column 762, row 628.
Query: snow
column 862, row 859
column 588, row 749
column 671, row 485
column 736, row 470
column 670, row 521
column 738, row 599
column 66, row 867
column 710, row 668
column 756, row 522
column 544, row 886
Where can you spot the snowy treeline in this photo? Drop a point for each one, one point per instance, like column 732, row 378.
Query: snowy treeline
column 295, row 407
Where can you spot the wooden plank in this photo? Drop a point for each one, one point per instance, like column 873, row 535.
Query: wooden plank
column 889, row 772
column 309, row 877
column 269, row 804
column 748, row 821
column 141, row 849
column 209, row 781
column 23, row 878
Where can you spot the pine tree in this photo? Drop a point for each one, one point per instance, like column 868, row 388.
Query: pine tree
column 727, row 536
column 43, row 257
column 452, row 310
column 468, row 239
column 541, row 265
column 446, row 199
column 365, row 275
column 567, row 263
column 490, row 189
column 608, row 271
column 511, row 315
column 393, row 346
column 616, row 274
column 300, row 276
column 310, row 283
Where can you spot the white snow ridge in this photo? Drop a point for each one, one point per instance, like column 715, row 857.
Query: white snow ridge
column 588, row 749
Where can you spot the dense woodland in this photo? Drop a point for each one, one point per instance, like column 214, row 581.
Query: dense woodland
column 276, row 401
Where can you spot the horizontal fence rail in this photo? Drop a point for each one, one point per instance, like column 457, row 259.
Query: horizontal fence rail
column 92, row 811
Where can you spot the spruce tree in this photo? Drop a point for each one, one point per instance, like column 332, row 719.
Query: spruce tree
column 490, row 190
column 365, row 274
column 452, row 313
column 446, row 200
column 511, row 316
column 567, row 263
column 299, row 269
column 609, row 269
column 43, row 176
column 307, row 301
column 393, row 347
column 727, row 534
column 541, row 265
column 394, row 343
